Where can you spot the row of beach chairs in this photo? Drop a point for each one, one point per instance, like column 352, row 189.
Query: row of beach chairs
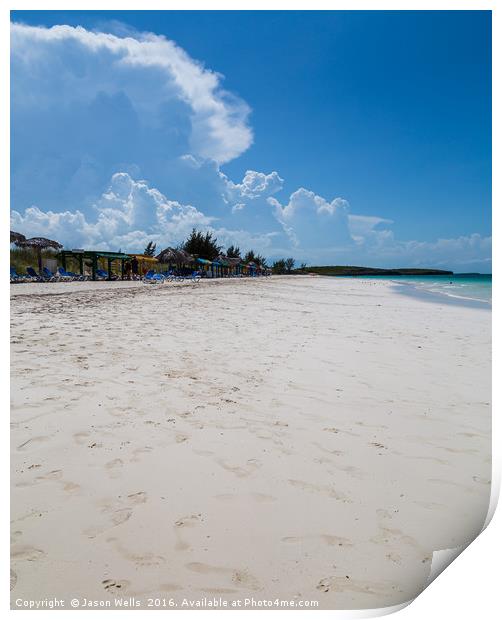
column 151, row 277
column 61, row 275
column 46, row 275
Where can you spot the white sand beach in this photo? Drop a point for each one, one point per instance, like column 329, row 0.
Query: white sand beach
column 294, row 438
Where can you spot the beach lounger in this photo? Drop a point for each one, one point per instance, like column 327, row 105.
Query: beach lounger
column 101, row 274
column 171, row 276
column 62, row 274
column 15, row 277
column 153, row 278
column 48, row 276
column 70, row 274
column 33, row 275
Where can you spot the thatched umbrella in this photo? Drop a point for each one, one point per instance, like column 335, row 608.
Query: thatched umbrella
column 39, row 243
column 15, row 237
column 172, row 256
column 169, row 255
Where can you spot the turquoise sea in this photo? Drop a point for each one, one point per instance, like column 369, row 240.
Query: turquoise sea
column 465, row 289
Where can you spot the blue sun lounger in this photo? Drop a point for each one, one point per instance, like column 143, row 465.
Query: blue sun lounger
column 69, row 275
column 33, row 275
column 153, row 278
column 15, row 277
column 47, row 275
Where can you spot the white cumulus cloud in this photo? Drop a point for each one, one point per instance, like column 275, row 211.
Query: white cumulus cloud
column 149, row 70
column 309, row 219
column 127, row 215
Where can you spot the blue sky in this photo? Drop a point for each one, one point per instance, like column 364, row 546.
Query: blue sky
column 334, row 137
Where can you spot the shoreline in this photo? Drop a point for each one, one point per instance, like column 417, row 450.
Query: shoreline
column 258, row 438
column 408, row 288
column 401, row 288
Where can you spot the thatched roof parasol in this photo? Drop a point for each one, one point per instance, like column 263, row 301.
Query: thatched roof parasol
column 39, row 244
column 174, row 256
column 229, row 261
column 15, row 237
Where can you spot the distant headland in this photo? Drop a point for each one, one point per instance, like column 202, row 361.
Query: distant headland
column 349, row 270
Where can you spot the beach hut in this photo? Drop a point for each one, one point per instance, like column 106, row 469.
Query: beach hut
column 92, row 257
column 234, row 265
column 205, row 265
column 38, row 244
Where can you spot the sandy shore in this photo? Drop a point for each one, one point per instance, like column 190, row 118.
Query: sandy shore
column 284, row 438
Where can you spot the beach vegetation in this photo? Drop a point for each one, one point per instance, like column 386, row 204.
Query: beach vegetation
column 289, row 263
column 150, row 249
column 249, row 256
column 279, row 266
column 202, row 245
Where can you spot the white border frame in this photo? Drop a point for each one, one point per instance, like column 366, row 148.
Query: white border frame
column 469, row 586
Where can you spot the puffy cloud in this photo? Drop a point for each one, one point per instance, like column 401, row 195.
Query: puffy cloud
column 255, row 185
column 325, row 232
column 464, row 252
column 127, row 215
column 85, row 105
column 146, row 72
column 364, row 226
column 309, row 219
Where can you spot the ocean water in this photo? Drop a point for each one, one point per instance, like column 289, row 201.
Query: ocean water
column 465, row 289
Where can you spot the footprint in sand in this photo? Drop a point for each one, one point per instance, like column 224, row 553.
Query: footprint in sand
column 395, row 539
column 137, row 451
column 57, row 475
column 328, row 539
column 344, row 583
column 241, row 472
column 15, row 535
column 140, row 559
column 185, row 522
column 325, row 490
column 81, row 438
column 241, row 578
column 27, row 553
column 116, row 513
column 113, row 467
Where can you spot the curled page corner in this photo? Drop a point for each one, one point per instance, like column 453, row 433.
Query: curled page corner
column 386, row 611
column 441, row 559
